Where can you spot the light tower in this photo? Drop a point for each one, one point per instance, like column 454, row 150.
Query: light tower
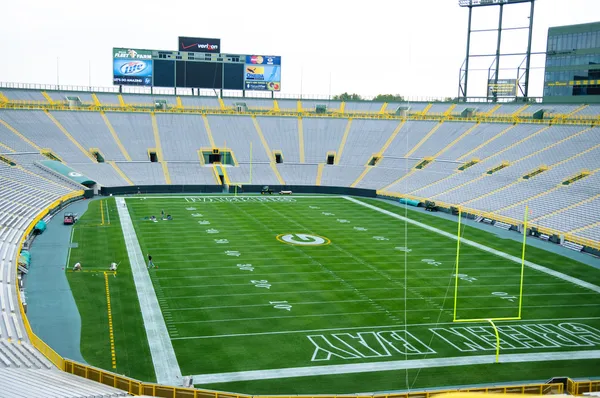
column 522, row 76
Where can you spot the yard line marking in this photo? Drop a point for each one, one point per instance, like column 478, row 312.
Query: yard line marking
column 363, row 300
column 390, row 365
column 333, row 290
column 323, row 267
column 161, row 348
column 274, row 281
column 218, row 336
column 529, row 264
column 273, row 275
column 234, row 261
column 279, row 317
column 439, row 308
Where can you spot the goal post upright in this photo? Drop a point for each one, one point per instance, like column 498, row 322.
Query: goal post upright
column 521, row 282
column 497, row 340
column 457, row 262
column 525, row 216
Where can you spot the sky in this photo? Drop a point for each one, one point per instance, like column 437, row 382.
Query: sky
column 414, row 48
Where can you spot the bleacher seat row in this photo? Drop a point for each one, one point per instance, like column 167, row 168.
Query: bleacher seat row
column 367, row 153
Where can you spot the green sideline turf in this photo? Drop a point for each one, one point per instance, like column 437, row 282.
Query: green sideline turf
column 97, row 246
column 224, row 317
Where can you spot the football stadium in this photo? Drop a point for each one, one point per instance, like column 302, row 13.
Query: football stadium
column 192, row 229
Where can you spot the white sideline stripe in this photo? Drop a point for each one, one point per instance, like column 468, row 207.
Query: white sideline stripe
column 390, row 365
column 163, row 355
column 529, row 264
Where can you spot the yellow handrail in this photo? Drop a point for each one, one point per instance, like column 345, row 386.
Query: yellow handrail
column 593, row 120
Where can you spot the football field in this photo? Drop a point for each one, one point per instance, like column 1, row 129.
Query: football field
column 302, row 294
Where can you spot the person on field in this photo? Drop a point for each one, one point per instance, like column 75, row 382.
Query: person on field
column 150, row 263
column 77, row 267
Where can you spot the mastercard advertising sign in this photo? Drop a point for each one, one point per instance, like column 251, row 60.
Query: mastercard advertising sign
column 263, row 60
column 262, row 72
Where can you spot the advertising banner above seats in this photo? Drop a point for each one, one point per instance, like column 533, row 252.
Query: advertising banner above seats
column 132, row 67
column 262, row 72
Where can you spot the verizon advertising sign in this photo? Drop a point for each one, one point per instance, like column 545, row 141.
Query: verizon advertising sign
column 199, row 44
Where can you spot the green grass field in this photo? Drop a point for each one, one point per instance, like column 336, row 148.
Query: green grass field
column 268, row 286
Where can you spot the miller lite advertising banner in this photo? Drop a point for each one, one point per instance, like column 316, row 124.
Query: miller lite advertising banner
column 199, row 44
column 132, row 67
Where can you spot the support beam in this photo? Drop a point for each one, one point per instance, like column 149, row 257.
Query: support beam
column 319, row 174
column 115, row 136
column 120, row 172
column 208, row 132
column 301, row 139
column 343, row 142
column 69, row 136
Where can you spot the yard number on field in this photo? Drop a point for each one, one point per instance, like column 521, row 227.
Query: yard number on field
column 380, row 238
column 431, row 261
column 245, row 267
column 465, row 277
column 281, row 305
column 261, row 283
column 504, row 296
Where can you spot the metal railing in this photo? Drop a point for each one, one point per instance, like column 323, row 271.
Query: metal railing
column 148, row 107
column 227, row 93
column 137, row 387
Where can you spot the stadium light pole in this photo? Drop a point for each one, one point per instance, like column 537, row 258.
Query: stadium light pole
column 495, row 68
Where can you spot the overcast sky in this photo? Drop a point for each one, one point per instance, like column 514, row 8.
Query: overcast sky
column 414, row 48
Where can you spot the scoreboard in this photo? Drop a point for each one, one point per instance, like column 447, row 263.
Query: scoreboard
column 193, row 69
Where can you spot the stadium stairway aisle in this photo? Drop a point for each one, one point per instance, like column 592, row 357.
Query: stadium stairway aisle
column 51, row 310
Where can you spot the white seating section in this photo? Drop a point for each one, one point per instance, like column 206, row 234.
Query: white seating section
column 103, row 173
column 564, row 150
column 182, row 136
column 135, row 132
column 39, row 128
column 365, row 138
column 143, row 173
column 34, row 383
column 282, row 135
column 61, row 96
column 90, row 130
column 251, row 103
column 23, row 194
column 200, row 102
column 321, row 136
column 237, row 133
